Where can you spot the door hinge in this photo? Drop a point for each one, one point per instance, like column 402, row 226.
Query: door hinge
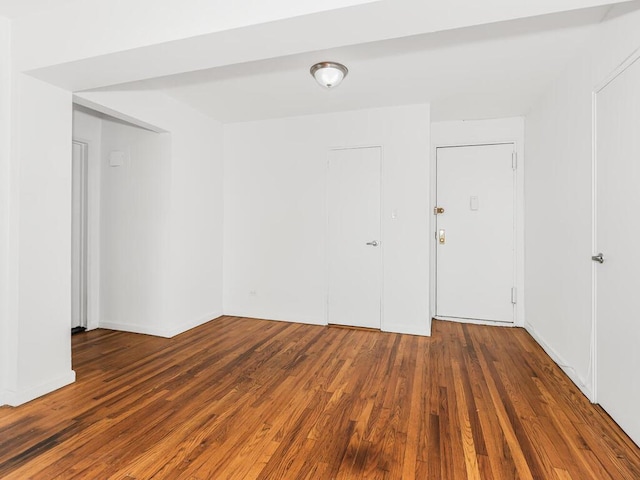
column 514, row 295
column 514, row 160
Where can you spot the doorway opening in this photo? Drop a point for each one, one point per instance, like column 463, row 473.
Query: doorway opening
column 79, row 236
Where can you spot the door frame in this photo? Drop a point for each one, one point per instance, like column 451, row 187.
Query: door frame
column 82, row 295
column 326, row 228
column 92, row 159
column 519, row 312
column 619, row 70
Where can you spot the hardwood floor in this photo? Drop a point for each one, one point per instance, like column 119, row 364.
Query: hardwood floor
column 249, row 399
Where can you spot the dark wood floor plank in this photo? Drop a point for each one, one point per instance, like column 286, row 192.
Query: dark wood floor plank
column 240, row 398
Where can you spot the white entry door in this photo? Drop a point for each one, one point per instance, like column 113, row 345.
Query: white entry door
column 354, row 245
column 475, row 232
column 618, row 239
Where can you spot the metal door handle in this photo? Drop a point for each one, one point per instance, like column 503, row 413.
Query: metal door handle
column 598, row 258
column 373, row 244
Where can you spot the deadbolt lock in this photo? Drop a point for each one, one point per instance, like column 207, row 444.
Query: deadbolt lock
column 438, row 210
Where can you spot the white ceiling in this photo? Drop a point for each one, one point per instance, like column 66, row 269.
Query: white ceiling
column 469, row 60
column 486, row 71
column 16, row 9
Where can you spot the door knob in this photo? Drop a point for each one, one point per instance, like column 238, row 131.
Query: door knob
column 441, row 237
column 373, row 244
column 598, row 258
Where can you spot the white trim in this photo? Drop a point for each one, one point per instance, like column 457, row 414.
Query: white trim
column 518, row 226
column 132, row 328
column 423, row 330
column 82, row 296
column 13, row 247
column 355, row 147
column 183, row 327
column 268, row 318
column 433, row 244
column 594, row 246
column 619, row 70
column 476, row 144
column 475, row 321
column 557, row 358
column 160, row 331
column 93, row 235
column 326, row 239
column 626, row 63
column 16, row 398
column 78, row 99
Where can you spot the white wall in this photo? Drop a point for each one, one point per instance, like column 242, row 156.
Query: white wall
column 37, row 304
column 275, row 213
column 5, row 147
column 558, row 199
column 39, row 346
column 87, row 128
column 191, row 291
column 134, row 218
column 479, row 132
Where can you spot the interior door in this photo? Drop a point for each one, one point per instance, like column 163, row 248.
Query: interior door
column 354, row 245
column 79, row 171
column 475, row 232
column 617, row 234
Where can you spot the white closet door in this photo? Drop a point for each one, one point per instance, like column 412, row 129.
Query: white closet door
column 354, row 245
column 618, row 239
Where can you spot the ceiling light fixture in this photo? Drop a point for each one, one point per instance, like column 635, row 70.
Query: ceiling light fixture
column 329, row 74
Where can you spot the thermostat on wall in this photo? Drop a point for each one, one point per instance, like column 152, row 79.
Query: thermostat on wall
column 117, row 158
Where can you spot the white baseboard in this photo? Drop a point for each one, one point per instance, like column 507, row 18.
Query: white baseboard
column 423, row 330
column 133, row 328
column 16, row 398
column 490, row 323
column 172, row 332
column 275, row 318
column 556, row 357
column 159, row 331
